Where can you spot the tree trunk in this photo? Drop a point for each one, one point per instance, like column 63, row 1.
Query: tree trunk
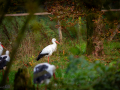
column 59, row 30
column 90, row 29
column 94, row 35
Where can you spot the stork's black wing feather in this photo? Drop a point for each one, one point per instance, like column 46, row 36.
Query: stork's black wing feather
column 41, row 69
column 2, row 63
column 41, row 55
column 4, row 57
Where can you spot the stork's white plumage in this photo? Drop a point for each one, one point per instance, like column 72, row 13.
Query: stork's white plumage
column 1, row 49
column 4, row 59
column 48, row 50
column 43, row 77
column 6, row 56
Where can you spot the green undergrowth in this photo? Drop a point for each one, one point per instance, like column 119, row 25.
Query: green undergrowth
column 74, row 70
column 80, row 74
column 112, row 48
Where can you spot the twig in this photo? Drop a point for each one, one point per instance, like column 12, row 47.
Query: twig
column 110, row 10
column 26, row 14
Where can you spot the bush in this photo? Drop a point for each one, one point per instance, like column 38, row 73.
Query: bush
column 83, row 75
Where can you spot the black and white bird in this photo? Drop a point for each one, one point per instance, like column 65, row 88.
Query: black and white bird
column 43, row 72
column 48, row 50
column 4, row 59
column 6, row 56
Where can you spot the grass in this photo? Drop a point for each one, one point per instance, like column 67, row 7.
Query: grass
column 33, row 43
column 59, row 59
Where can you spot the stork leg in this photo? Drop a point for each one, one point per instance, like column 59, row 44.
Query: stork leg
column 54, row 76
column 7, row 79
column 45, row 87
column 48, row 59
column 3, row 75
column 2, row 72
column 37, row 86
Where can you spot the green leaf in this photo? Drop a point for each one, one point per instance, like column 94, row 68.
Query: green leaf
column 75, row 50
column 112, row 63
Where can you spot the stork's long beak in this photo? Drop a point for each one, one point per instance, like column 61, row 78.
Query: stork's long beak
column 3, row 46
column 57, row 42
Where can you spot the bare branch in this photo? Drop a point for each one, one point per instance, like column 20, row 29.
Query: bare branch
column 25, row 14
column 111, row 10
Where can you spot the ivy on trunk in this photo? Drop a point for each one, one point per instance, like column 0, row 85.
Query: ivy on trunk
column 94, row 34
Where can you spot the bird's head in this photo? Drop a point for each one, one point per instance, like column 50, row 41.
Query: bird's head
column 54, row 40
column 7, row 52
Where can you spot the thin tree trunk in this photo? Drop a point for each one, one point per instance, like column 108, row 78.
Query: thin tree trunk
column 114, row 33
column 59, row 30
column 94, row 32
column 98, row 38
column 90, row 29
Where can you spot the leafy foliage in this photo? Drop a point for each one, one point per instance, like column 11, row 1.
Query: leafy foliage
column 80, row 73
column 75, row 50
column 83, row 75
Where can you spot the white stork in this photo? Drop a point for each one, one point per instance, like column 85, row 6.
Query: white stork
column 48, row 50
column 4, row 59
column 6, row 56
column 43, row 72
column 1, row 48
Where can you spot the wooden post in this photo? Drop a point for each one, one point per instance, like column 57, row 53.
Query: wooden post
column 59, row 30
